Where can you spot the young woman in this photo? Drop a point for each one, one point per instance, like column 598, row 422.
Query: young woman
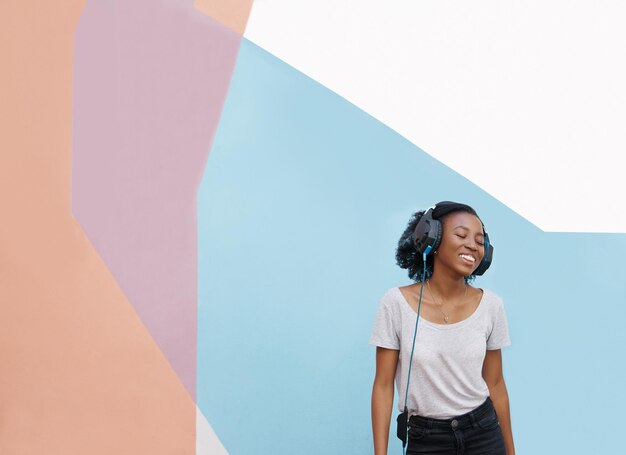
column 456, row 398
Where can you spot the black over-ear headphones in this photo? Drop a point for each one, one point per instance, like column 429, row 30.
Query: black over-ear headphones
column 428, row 232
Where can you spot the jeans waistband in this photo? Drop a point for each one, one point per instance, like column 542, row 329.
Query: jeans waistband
column 466, row 420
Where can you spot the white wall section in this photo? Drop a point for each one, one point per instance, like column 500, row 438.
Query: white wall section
column 525, row 99
column 207, row 442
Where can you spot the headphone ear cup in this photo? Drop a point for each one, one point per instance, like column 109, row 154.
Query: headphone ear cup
column 437, row 233
column 427, row 234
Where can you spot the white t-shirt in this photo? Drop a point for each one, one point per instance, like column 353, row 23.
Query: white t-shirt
column 446, row 377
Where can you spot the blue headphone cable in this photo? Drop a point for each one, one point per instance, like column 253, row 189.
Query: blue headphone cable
column 406, row 395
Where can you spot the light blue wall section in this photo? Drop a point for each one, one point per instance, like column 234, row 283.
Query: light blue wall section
column 301, row 205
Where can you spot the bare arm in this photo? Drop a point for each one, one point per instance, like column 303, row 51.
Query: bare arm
column 382, row 397
column 492, row 373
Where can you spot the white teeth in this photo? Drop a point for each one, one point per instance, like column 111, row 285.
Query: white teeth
column 469, row 258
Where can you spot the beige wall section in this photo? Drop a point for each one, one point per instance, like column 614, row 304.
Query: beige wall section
column 231, row 13
column 79, row 372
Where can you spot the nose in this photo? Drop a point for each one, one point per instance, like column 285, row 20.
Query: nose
column 471, row 244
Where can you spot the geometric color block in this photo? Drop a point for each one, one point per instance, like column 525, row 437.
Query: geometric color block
column 149, row 83
column 207, row 442
column 525, row 99
column 231, row 13
column 80, row 372
column 300, row 209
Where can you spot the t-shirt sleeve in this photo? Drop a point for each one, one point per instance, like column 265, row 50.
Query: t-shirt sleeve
column 385, row 331
column 499, row 336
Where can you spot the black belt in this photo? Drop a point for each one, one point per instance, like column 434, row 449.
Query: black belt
column 466, row 420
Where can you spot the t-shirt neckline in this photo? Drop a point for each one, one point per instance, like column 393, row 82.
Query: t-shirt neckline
column 444, row 326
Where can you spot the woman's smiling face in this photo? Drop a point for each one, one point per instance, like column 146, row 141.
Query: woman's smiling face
column 462, row 244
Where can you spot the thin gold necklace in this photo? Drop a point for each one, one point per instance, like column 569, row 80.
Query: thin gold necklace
column 445, row 316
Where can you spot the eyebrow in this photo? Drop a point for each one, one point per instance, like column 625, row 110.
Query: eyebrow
column 467, row 229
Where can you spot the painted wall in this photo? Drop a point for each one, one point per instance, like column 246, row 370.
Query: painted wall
column 199, row 218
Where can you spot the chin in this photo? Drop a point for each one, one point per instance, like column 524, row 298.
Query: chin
column 465, row 273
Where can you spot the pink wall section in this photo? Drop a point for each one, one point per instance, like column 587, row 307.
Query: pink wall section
column 98, row 312
column 150, row 80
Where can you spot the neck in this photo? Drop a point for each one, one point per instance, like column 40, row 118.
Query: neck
column 447, row 287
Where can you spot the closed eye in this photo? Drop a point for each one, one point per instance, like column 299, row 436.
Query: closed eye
column 463, row 236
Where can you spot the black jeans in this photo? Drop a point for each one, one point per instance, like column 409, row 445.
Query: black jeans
column 475, row 433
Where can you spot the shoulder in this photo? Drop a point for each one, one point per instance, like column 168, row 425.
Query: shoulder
column 391, row 301
column 492, row 296
column 388, row 321
column 493, row 301
column 391, row 297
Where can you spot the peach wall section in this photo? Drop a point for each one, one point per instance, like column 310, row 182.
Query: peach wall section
column 231, row 13
column 80, row 373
